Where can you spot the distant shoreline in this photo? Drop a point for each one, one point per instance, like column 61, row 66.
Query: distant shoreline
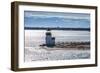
column 56, row 28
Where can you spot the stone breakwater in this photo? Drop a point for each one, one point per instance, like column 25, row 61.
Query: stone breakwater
column 71, row 45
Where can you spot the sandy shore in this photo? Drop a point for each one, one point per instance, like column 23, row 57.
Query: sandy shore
column 45, row 54
column 61, row 51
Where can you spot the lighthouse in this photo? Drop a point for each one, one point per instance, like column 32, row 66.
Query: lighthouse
column 50, row 41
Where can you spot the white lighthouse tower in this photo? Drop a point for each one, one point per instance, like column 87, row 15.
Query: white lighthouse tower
column 50, row 41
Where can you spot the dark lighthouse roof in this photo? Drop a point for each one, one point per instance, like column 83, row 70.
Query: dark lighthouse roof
column 48, row 33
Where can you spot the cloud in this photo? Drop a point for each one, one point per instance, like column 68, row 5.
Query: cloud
column 39, row 14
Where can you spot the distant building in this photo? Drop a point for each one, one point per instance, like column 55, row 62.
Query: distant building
column 50, row 41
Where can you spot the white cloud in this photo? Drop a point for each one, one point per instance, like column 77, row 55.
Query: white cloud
column 59, row 15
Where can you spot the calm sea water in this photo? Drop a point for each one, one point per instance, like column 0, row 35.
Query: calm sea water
column 37, row 37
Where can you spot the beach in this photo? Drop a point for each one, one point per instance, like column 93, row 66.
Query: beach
column 51, row 54
column 61, row 51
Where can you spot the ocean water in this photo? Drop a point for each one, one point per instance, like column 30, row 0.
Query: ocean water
column 37, row 37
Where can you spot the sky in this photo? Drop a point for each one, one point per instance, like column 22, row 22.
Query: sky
column 56, row 19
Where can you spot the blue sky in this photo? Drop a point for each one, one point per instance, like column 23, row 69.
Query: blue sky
column 56, row 19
